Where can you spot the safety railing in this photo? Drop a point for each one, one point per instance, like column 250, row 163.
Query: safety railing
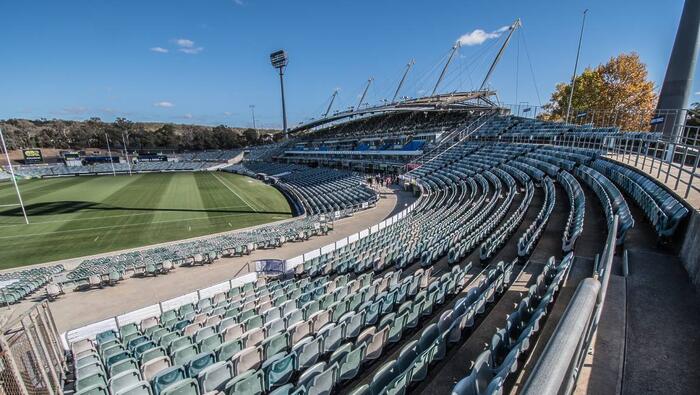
column 675, row 164
column 31, row 356
column 627, row 119
column 559, row 367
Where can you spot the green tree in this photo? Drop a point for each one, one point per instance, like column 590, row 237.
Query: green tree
column 252, row 135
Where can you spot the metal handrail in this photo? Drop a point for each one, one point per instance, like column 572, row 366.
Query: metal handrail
column 673, row 164
column 554, row 367
column 558, row 369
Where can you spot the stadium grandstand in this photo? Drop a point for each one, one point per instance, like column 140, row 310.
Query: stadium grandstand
column 445, row 244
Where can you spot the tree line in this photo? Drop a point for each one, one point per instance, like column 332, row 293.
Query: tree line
column 93, row 133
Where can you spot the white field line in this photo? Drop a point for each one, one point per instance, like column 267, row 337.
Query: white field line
column 108, row 216
column 234, row 192
column 120, row 226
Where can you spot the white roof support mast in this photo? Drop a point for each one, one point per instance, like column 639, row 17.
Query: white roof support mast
column 362, row 98
column 398, row 88
column 444, row 69
column 512, row 30
column 328, row 110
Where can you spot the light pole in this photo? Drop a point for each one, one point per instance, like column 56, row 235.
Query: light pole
column 252, row 110
column 279, row 61
column 573, row 77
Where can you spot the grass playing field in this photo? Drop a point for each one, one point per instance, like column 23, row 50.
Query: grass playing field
column 79, row 216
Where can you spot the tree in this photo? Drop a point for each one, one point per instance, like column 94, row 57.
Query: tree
column 252, row 135
column 615, row 93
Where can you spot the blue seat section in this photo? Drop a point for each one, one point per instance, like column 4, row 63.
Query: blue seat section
column 529, row 239
column 346, row 306
column 341, row 336
column 661, row 208
column 321, row 191
column 414, row 145
column 610, row 198
column 161, row 260
column 497, row 239
column 510, row 345
column 577, row 204
column 415, row 358
column 22, row 283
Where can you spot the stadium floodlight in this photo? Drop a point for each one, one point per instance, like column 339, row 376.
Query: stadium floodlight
column 279, row 60
column 12, row 175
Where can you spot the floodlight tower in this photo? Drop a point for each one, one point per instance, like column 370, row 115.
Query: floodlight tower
column 279, row 61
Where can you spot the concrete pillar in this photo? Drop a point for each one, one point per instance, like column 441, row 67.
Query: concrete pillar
column 678, row 81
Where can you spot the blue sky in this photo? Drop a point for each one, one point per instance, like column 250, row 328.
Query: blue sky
column 206, row 61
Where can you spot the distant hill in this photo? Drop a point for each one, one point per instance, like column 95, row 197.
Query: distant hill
column 63, row 134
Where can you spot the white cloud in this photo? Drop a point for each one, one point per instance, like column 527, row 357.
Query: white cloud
column 185, row 43
column 238, row 2
column 697, row 93
column 187, row 116
column 191, row 51
column 228, row 113
column 164, row 104
column 74, row 110
column 479, row 36
column 159, row 50
column 187, row 46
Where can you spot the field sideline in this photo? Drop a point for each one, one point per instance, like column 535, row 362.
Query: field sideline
column 77, row 216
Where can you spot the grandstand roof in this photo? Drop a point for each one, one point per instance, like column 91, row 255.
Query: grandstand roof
column 454, row 101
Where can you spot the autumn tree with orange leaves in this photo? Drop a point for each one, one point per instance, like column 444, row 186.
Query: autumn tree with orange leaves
column 615, row 93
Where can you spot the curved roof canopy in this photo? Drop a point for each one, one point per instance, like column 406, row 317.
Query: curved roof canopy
column 456, row 101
